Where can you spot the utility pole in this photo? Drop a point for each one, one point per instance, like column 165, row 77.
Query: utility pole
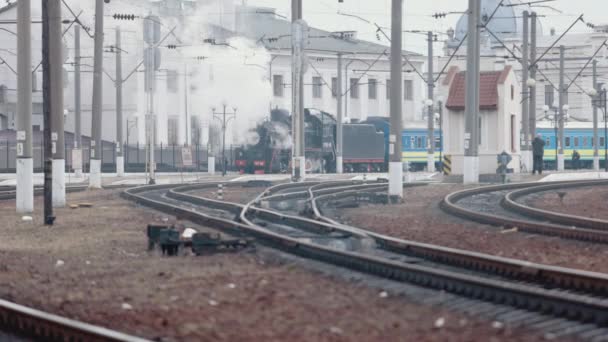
column 299, row 36
column 395, row 188
column 339, row 130
column 77, row 103
column 47, row 112
column 532, row 90
column 224, row 119
column 57, row 126
column 25, row 161
column 525, row 105
column 186, row 109
column 95, row 166
column 430, row 112
column 120, row 159
column 562, row 102
column 152, row 63
column 471, row 135
column 596, row 155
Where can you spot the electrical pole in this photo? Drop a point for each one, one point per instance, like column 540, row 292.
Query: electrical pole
column 596, row 155
column 224, row 119
column 471, row 138
column 430, row 112
column 339, row 130
column 77, row 103
column 532, row 90
column 57, row 126
column 299, row 37
column 562, row 99
column 152, row 63
column 47, row 112
column 186, row 109
column 95, row 166
column 120, row 159
column 25, row 162
column 525, row 105
column 395, row 188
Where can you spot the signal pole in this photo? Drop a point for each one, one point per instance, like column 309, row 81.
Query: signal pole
column 430, row 114
column 120, row 159
column 562, row 99
column 47, row 107
column 596, row 155
column 95, row 174
column 525, row 104
column 532, row 114
column 77, row 102
column 57, row 126
column 25, row 162
column 471, row 138
column 299, row 34
column 395, row 189
column 339, row 129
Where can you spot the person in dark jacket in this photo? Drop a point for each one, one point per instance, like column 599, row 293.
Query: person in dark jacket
column 538, row 151
column 576, row 157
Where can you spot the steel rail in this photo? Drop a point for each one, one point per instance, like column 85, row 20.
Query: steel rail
column 532, row 298
column 510, row 202
column 450, row 205
column 43, row 326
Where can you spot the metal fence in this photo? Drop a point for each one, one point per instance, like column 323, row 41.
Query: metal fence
column 168, row 158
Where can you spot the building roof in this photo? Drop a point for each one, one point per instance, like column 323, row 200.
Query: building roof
column 264, row 26
column 488, row 89
column 506, row 23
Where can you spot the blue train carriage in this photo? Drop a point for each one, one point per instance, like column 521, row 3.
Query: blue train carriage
column 414, row 147
column 577, row 136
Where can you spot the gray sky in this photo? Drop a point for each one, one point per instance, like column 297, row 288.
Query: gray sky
column 322, row 14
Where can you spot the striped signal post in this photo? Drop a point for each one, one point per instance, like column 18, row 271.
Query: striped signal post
column 220, row 192
column 447, row 164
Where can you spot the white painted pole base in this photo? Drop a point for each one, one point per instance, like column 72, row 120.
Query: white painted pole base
column 58, row 183
column 430, row 162
column 211, row 165
column 395, row 180
column 95, row 174
column 560, row 162
column 596, row 163
column 120, row 166
column 339, row 165
column 25, row 185
column 527, row 160
column 299, row 169
column 470, row 170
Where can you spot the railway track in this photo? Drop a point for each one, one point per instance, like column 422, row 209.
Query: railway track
column 42, row 326
column 498, row 206
column 577, row 297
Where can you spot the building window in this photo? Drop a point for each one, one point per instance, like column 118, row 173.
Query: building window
column 408, row 90
column 602, row 141
column 354, row 88
column 388, row 89
column 334, row 86
column 585, row 142
column 172, row 130
column 479, row 132
column 317, row 87
column 277, row 85
column 567, row 143
column 575, row 141
column 372, row 92
column 172, row 81
column 512, row 92
column 549, row 95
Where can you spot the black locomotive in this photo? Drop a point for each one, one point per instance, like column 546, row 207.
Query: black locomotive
column 364, row 147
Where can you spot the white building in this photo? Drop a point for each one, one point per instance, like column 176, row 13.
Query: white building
column 499, row 118
column 203, row 72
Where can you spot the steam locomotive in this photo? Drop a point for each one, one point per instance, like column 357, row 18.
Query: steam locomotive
column 364, row 146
